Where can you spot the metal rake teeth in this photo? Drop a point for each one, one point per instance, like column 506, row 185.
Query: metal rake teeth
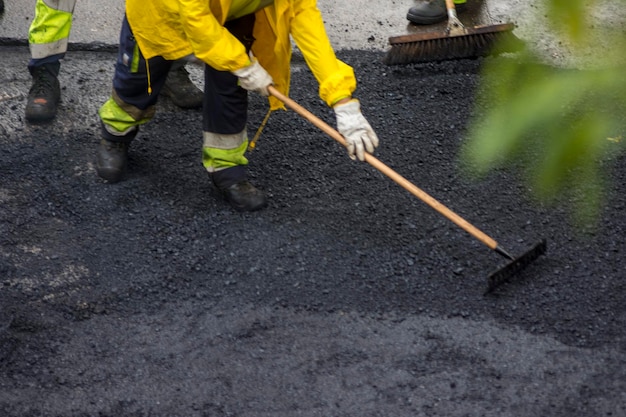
column 504, row 274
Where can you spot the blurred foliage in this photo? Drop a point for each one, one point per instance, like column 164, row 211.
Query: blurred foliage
column 560, row 126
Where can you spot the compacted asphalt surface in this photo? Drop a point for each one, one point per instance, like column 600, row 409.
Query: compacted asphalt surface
column 347, row 296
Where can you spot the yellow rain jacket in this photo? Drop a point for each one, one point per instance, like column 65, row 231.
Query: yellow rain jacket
column 176, row 28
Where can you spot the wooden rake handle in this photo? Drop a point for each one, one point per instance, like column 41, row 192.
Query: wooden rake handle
column 400, row 180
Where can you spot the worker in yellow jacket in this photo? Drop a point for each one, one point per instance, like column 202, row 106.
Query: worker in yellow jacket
column 246, row 46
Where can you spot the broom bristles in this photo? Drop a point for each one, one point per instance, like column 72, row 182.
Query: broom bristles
column 477, row 42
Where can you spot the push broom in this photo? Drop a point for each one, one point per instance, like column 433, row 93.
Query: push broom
column 496, row 278
column 455, row 42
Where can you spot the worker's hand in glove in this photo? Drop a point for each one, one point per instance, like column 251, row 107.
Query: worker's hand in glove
column 254, row 78
column 355, row 129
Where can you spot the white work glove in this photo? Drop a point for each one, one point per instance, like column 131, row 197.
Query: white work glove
column 355, row 129
column 254, row 78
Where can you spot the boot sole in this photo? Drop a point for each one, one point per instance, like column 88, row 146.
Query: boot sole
column 238, row 207
column 425, row 20
column 431, row 20
column 109, row 177
column 38, row 117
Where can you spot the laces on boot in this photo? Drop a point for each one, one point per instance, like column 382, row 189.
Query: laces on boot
column 43, row 96
column 45, row 85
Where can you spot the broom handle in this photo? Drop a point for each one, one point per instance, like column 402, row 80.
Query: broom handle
column 400, row 180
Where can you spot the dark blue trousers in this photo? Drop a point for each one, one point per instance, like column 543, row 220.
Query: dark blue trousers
column 225, row 103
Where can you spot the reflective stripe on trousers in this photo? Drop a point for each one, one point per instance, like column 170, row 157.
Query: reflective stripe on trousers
column 134, row 95
column 50, row 30
column 225, row 109
column 221, row 151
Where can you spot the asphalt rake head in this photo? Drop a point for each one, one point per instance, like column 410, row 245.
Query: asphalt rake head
column 504, row 274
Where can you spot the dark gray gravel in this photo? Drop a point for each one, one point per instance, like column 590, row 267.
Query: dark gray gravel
column 347, row 296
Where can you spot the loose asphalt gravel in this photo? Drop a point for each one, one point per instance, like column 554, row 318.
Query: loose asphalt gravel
column 347, row 296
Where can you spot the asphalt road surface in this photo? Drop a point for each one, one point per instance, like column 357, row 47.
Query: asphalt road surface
column 347, row 296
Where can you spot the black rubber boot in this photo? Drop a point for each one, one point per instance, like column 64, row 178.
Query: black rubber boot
column 237, row 190
column 181, row 90
column 428, row 12
column 112, row 155
column 44, row 95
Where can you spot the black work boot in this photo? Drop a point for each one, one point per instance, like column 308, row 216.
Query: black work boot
column 244, row 196
column 112, row 155
column 111, row 160
column 428, row 12
column 181, row 90
column 237, row 190
column 44, row 95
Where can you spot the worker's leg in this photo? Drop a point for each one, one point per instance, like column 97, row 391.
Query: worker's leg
column 136, row 87
column 48, row 38
column 224, row 130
